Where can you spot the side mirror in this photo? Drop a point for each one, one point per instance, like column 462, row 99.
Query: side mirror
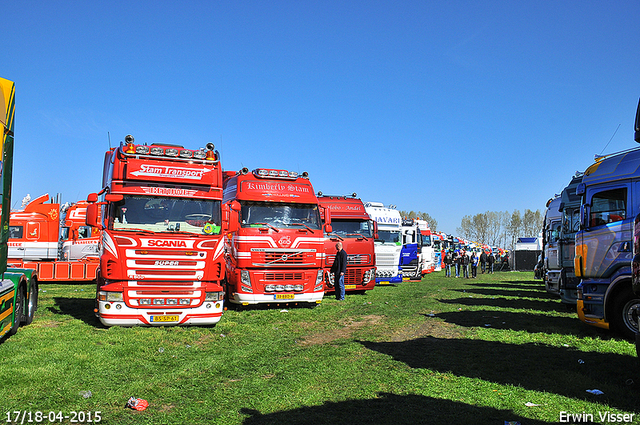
column 235, row 206
column 327, row 228
column 584, row 216
column 93, row 215
column 230, row 216
column 92, row 197
column 375, row 230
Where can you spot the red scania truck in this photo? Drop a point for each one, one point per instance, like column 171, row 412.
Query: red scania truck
column 352, row 226
column 275, row 244
column 161, row 259
column 60, row 249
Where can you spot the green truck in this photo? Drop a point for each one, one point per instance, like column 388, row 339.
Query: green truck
column 18, row 287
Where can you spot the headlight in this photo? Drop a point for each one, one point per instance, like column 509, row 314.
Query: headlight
column 110, row 296
column 319, row 277
column 213, row 296
column 244, row 277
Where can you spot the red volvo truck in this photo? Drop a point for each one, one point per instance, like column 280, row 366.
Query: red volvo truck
column 161, row 259
column 275, row 244
column 352, row 226
column 60, row 249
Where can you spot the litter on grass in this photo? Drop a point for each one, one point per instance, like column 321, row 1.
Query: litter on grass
column 595, row 392
column 137, row 404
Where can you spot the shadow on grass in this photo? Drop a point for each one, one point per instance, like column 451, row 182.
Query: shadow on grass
column 519, row 303
column 532, row 323
column 531, row 366
column 510, row 293
column 514, row 285
column 389, row 409
column 79, row 308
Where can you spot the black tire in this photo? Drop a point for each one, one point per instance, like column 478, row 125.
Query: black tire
column 31, row 304
column 17, row 311
column 624, row 319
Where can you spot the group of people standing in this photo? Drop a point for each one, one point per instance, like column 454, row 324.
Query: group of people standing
column 465, row 263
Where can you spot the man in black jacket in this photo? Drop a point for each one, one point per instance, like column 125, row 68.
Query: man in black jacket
column 339, row 269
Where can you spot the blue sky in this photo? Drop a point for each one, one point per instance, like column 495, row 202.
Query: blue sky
column 448, row 107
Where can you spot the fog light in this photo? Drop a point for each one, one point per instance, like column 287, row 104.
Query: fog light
column 158, row 301
column 185, row 301
column 118, row 306
column 172, row 302
column 288, row 287
column 299, row 287
column 145, row 301
column 270, row 288
column 208, row 305
column 279, row 288
column 107, row 306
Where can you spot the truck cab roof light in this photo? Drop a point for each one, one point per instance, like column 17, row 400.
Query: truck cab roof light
column 293, row 174
column 283, row 173
column 211, row 155
column 130, row 148
column 262, row 172
column 142, row 150
column 199, row 154
column 173, row 152
column 273, row 173
column 156, row 151
column 185, row 153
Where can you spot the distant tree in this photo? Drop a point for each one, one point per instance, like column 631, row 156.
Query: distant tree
column 433, row 223
column 499, row 228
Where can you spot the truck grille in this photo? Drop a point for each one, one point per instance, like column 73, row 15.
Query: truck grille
column 276, row 276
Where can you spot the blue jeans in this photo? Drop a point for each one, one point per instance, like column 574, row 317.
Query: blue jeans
column 339, row 287
column 457, row 270
column 447, row 270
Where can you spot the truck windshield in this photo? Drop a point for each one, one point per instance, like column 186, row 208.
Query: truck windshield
column 280, row 215
column 163, row 214
column 426, row 240
column 351, row 228
column 388, row 236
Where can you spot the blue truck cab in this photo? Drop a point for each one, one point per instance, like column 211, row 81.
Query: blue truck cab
column 610, row 191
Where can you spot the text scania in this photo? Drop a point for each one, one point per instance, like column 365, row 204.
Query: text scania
column 166, row 243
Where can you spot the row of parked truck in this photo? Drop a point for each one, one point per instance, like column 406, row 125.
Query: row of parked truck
column 591, row 242
column 170, row 237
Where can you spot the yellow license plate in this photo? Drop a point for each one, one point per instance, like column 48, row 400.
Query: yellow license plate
column 384, row 282
column 284, row 296
column 349, row 286
column 164, row 318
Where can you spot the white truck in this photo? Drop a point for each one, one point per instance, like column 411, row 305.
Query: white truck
column 389, row 243
column 428, row 257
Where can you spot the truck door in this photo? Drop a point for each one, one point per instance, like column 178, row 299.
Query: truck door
column 607, row 239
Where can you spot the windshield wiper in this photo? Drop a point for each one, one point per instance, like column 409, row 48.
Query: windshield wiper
column 336, row 235
column 268, row 225
column 358, row 234
column 301, row 224
column 129, row 229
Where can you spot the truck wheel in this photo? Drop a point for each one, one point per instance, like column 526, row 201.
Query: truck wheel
column 32, row 304
column 625, row 314
column 17, row 311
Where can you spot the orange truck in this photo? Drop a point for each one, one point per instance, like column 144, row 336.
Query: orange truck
column 59, row 249
column 275, row 243
column 352, row 226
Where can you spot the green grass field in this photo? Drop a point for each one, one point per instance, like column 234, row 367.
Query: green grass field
column 441, row 351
